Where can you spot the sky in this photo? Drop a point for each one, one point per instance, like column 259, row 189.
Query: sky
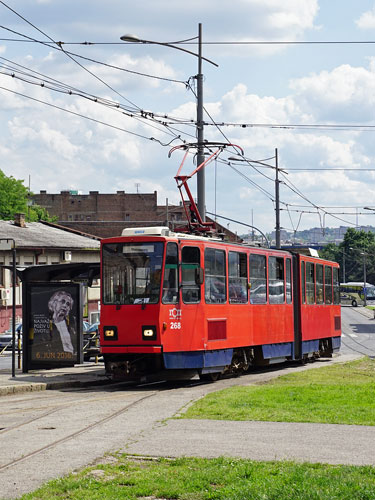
column 103, row 116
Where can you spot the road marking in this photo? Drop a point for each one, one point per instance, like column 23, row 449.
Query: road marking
column 353, row 335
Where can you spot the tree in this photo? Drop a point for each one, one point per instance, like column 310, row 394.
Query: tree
column 358, row 251
column 15, row 197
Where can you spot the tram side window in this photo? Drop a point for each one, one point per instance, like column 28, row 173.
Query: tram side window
column 328, row 284
column 237, row 280
column 215, row 276
column 258, row 279
column 288, row 281
column 276, row 288
column 170, row 281
column 190, row 261
column 336, row 286
column 310, row 283
column 303, row 282
column 319, row 284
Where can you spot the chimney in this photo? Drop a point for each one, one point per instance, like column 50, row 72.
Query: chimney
column 19, row 220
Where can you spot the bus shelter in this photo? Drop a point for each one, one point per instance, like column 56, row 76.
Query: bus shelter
column 52, row 298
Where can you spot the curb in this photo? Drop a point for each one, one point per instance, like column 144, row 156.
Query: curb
column 48, row 386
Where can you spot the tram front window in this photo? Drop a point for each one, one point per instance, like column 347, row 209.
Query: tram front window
column 131, row 272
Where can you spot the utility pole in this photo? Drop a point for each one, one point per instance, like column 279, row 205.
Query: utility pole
column 277, row 201
column 199, row 126
column 10, row 244
column 201, row 183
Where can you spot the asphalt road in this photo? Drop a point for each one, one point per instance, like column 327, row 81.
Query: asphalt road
column 358, row 331
column 48, row 434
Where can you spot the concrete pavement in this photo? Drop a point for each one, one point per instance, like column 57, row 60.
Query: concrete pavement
column 57, row 378
column 148, row 428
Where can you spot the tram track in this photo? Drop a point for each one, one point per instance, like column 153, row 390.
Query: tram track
column 74, row 434
column 54, row 407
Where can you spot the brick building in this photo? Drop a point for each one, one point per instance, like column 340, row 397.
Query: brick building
column 106, row 215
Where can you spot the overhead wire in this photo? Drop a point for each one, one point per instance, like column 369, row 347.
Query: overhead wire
column 257, row 186
column 57, row 86
column 300, row 126
column 86, row 117
column 239, row 42
column 58, row 48
column 166, row 119
column 294, row 188
column 70, row 55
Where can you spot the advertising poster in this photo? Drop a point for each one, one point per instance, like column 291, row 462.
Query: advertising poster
column 54, row 333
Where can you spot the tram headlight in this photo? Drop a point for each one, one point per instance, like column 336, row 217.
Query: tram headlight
column 148, row 332
column 110, row 333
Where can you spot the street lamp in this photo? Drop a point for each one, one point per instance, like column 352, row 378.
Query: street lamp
column 364, row 254
column 199, row 126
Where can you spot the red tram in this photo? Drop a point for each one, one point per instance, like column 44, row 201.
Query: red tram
column 190, row 304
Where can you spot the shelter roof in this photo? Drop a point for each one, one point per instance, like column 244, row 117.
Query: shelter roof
column 47, row 235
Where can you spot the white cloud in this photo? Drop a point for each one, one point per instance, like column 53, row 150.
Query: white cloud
column 345, row 94
column 88, row 156
column 367, row 20
column 41, row 132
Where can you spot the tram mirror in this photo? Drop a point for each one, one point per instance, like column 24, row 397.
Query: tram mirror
column 199, row 276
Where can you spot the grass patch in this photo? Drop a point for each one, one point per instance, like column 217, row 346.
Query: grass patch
column 338, row 394
column 214, row 479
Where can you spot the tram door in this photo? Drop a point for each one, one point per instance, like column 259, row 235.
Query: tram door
column 298, row 298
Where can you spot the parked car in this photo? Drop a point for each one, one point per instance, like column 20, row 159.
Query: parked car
column 6, row 338
column 5, row 341
column 91, row 346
